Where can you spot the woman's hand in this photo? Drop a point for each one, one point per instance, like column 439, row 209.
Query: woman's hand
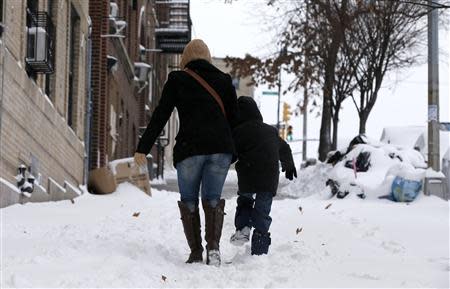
column 140, row 159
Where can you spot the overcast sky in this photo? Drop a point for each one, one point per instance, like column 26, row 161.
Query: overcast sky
column 240, row 28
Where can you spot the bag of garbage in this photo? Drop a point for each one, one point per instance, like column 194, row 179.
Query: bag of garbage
column 404, row 190
column 335, row 157
column 362, row 162
column 359, row 139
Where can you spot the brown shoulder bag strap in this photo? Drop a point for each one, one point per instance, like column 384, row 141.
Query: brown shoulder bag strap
column 208, row 88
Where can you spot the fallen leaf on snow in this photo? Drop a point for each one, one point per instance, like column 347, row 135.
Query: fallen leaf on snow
column 136, row 214
column 299, row 230
column 329, row 205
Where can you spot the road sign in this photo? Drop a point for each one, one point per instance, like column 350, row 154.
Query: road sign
column 269, row 93
column 444, row 126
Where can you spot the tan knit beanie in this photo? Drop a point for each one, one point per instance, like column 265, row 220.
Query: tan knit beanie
column 195, row 49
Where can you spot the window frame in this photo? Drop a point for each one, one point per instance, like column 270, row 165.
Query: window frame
column 74, row 23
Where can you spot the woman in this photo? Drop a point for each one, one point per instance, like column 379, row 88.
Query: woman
column 204, row 145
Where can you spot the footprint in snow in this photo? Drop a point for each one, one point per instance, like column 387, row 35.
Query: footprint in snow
column 392, row 247
column 365, row 276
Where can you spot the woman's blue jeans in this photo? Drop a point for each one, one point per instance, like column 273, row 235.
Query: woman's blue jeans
column 207, row 171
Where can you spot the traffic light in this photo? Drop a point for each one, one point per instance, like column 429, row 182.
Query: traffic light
column 286, row 112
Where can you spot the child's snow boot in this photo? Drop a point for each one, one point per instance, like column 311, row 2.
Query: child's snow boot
column 191, row 225
column 240, row 237
column 213, row 230
column 260, row 242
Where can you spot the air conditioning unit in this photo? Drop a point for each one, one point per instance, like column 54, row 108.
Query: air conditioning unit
column 141, row 70
column 113, row 10
column 37, row 48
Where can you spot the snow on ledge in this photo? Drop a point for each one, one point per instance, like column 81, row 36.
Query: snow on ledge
column 430, row 173
column 57, row 185
column 113, row 164
column 72, row 187
column 9, row 185
column 41, row 188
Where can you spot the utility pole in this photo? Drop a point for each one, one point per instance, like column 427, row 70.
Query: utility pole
column 433, row 88
column 305, row 122
column 305, row 98
column 278, row 102
column 283, row 52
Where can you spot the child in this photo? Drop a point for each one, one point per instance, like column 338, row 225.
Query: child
column 259, row 149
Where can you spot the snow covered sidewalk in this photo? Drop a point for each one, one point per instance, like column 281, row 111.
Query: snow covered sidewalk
column 97, row 242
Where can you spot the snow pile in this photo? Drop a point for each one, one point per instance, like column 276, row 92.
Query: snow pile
column 309, row 181
column 386, row 162
column 128, row 240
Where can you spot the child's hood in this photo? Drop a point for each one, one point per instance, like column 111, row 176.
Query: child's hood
column 248, row 109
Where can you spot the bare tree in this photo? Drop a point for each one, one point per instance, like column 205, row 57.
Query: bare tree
column 345, row 85
column 350, row 44
column 387, row 36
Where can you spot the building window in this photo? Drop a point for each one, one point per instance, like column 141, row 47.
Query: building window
column 73, row 66
column 49, row 84
column 32, row 7
column 39, row 56
column 1, row 17
column 133, row 145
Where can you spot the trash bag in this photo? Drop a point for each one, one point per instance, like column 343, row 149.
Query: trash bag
column 359, row 139
column 395, row 156
column 334, row 186
column 362, row 162
column 404, row 190
column 335, row 157
column 340, row 193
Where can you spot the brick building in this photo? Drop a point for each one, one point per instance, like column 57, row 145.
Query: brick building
column 78, row 82
column 118, row 94
column 43, row 96
column 130, row 64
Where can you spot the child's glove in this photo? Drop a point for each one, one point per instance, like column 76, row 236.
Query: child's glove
column 291, row 172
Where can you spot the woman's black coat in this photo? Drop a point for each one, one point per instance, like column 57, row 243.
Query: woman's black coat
column 203, row 127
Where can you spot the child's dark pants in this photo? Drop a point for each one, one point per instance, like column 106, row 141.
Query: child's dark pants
column 254, row 212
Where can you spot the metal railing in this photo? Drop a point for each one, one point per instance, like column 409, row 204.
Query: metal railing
column 40, row 42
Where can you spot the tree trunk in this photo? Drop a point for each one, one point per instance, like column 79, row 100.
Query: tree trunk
column 325, row 142
column 325, row 128
column 363, row 116
column 330, row 65
column 335, row 129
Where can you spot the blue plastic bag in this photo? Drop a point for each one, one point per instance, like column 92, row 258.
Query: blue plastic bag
column 404, row 190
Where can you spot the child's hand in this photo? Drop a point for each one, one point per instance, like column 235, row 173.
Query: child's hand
column 291, row 173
